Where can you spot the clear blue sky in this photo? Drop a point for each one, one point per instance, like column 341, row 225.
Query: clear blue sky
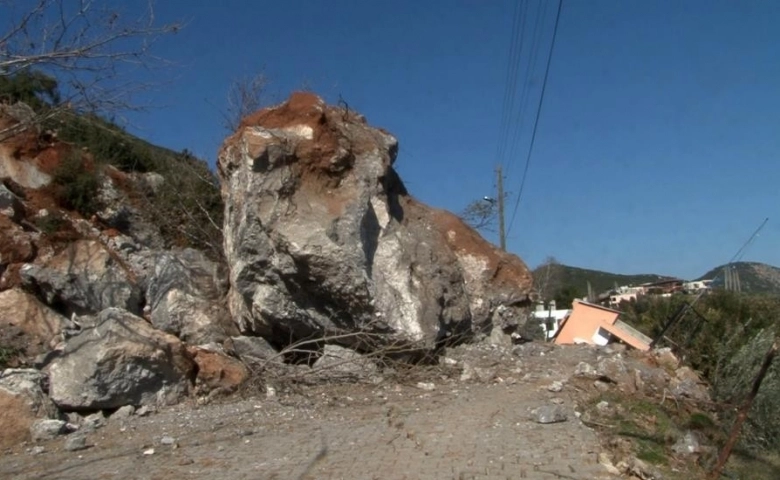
column 657, row 148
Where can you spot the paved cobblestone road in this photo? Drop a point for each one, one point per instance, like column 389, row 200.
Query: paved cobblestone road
column 457, row 431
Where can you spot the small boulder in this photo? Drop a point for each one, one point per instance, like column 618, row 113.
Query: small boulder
column 253, row 348
column 92, row 422
column 638, row 468
column 687, row 444
column 47, row 429
column 687, row 383
column 555, row 387
column 614, row 368
column 549, row 414
column 584, row 369
column 217, row 370
column 16, row 245
column 121, row 361
column 123, row 413
column 75, row 442
column 651, row 381
column 666, row 359
column 339, row 361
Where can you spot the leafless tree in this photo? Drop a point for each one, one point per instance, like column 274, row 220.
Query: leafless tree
column 89, row 46
column 546, row 281
column 246, row 96
column 481, row 214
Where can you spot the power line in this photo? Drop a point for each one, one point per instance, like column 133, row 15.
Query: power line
column 536, row 35
column 738, row 256
column 538, row 114
column 510, row 87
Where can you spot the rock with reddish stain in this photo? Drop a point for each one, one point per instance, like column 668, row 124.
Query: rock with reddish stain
column 322, row 236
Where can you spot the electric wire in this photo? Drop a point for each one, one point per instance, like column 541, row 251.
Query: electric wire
column 510, row 86
column 530, row 69
column 538, row 114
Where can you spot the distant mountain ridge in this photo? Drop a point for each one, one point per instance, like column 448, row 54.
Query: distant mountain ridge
column 552, row 278
column 754, row 277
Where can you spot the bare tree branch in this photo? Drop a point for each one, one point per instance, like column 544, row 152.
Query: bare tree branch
column 86, row 45
column 246, row 96
column 480, row 214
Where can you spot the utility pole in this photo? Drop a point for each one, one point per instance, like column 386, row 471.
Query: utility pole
column 501, row 230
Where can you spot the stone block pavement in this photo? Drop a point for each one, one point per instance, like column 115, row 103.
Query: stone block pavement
column 477, row 432
column 459, row 430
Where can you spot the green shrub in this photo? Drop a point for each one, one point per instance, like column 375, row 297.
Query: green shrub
column 7, row 354
column 31, row 87
column 49, row 224
column 700, row 421
column 77, row 185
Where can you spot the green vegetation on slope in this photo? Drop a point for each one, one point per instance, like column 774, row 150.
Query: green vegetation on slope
column 724, row 336
column 187, row 208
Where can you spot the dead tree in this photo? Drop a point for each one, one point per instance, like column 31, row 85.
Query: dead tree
column 245, row 96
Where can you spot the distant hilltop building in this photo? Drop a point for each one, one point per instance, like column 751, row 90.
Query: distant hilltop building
column 697, row 286
column 664, row 288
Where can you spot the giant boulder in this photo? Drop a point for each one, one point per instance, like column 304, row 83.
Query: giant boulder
column 123, row 360
column 321, row 236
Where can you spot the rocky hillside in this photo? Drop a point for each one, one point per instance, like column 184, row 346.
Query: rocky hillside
column 118, row 288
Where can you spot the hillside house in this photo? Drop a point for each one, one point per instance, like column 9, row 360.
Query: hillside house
column 664, row 287
column 596, row 325
column 625, row 294
column 697, row 286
